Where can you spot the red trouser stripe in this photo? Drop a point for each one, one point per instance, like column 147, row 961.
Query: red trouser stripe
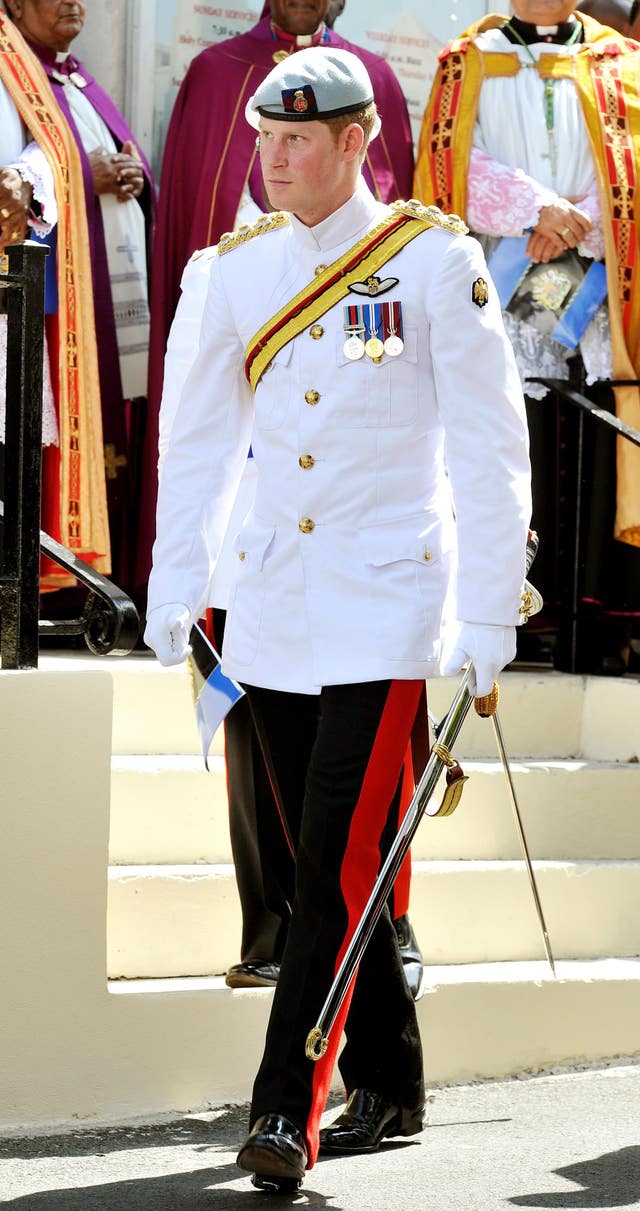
column 361, row 859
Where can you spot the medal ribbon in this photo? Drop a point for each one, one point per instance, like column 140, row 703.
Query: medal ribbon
column 353, row 319
column 391, row 320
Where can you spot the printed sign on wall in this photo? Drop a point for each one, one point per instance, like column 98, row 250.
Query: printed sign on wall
column 410, row 35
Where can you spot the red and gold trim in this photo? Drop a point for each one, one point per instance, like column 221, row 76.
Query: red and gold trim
column 606, row 72
column 83, row 520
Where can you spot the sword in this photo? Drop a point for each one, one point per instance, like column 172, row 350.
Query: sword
column 511, row 790
column 440, row 757
column 497, row 727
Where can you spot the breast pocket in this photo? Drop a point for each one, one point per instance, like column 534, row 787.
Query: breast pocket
column 273, row 392
column 244, row 618
column 378, row 396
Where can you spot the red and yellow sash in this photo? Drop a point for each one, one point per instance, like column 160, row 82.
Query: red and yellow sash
column 83, row 501
column 605, row 70
column 407, row 220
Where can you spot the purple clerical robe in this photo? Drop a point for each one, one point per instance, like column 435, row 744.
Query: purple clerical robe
column 210, row 153
column 124, row 489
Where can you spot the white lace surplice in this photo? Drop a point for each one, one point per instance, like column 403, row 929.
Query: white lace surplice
column 124, row 233
column 511, row 176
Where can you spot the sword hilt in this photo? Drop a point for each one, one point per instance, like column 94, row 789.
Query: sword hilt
column 316, row 1044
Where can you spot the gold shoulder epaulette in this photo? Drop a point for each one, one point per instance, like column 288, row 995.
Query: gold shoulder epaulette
column 432, row 215
column 268, row 222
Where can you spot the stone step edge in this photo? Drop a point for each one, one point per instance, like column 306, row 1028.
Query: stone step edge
column 146, row 762
column 530, row 971
column 218, row 870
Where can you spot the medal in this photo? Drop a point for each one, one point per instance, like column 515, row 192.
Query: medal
column 393, row 345
column 353, row 348
column 374, row 348
column 354, row 329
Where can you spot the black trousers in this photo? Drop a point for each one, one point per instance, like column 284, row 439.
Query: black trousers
column 263, row 859
column 263, row 856
column 338, row 757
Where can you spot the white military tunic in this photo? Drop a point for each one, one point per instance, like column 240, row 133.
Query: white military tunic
column 344, row 562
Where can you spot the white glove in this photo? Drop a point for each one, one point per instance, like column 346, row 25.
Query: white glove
column 490, row 648
column 167, row 632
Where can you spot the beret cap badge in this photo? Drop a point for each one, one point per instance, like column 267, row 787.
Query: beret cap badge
column 299, row 100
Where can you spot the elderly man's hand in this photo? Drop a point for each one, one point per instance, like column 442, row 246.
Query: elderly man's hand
column 560, row 225
column 119, row 172
column 16, row 197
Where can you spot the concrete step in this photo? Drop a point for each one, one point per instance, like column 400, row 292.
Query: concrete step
column 152, row 707
column 569, row 809
column 545, row 715
column 477, row 1021
column 170, row 810
column 166, row 921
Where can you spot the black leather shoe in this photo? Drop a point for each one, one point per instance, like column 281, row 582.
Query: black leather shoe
column 410, row 954
column 255, row 973
column 275, row 1153
column 366, row 1120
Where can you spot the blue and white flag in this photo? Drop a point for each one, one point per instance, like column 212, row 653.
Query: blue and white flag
column 214, row 693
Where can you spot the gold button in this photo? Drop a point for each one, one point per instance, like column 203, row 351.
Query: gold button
column 306, row 525
column 319, row 269
column 242, row 555
column 307, row 461
column 427, row 556
column 316, row 331
column 312, row 397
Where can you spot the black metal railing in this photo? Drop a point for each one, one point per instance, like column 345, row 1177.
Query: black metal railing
column 109, row 621
column 569, row 391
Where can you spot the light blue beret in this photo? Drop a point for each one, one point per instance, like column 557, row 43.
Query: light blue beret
column 311, row 85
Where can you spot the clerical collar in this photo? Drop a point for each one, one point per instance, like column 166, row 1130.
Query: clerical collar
column 299, row 41
column 524, row 32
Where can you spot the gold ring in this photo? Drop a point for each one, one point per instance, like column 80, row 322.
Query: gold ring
column 15, row 235
column 565, row 231
column 4, row 213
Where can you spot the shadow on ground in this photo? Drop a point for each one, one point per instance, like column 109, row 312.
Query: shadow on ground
column 611, row 1180
column 191, row 1189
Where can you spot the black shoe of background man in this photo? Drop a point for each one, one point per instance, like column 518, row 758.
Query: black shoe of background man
column 366, row 1120
column 275, row 1153
column 410, row 954
column 254, row 973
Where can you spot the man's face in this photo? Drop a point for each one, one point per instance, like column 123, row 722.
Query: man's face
column 543, row 12
column 302, row 168
column 299, row 16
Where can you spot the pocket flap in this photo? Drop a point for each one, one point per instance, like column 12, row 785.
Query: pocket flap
column 253, row 542
column 413, row 538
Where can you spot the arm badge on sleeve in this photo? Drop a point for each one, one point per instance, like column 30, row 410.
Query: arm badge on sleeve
column 480, row 293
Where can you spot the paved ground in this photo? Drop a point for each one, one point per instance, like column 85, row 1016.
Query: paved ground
column 570, row 1140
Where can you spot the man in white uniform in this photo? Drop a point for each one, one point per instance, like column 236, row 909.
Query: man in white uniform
column 353, row 344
